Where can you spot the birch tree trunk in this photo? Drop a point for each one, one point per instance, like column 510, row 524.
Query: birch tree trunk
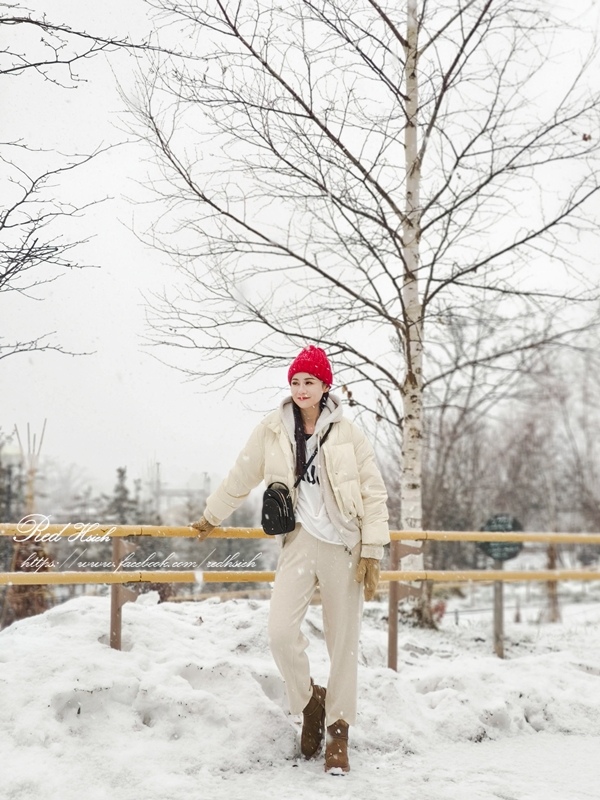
column 413, row 322
column 403, row 554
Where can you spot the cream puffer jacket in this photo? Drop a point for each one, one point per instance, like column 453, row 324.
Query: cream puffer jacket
column 358, row 496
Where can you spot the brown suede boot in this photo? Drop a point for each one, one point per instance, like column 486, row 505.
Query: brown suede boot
column 336, row 750
column 313, row 724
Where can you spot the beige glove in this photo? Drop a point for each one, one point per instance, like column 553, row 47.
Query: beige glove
column 203, row 527
column 367, row 570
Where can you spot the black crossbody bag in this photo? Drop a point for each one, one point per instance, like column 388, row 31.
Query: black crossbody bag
column 277, row 509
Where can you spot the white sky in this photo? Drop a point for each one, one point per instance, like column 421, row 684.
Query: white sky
column 118, row 406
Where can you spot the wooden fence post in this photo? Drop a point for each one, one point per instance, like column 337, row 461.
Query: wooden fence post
column 119, row 594
column 499, row 613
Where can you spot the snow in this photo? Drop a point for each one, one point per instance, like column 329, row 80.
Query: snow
column 193, row 707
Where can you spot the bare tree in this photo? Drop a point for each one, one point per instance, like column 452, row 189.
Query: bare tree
column 362, row 176
column 534, row 456
column 577, row 410
column 56, row 51
column 34, row 251
column 34, row 248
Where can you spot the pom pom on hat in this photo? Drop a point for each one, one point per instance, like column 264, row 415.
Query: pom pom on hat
column 314, row 361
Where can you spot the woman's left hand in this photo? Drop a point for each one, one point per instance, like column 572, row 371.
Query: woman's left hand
column 367, row 570
column 203, row 526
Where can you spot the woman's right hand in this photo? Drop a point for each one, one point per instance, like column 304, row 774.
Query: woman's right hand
column 203, row 526
column 367, row 570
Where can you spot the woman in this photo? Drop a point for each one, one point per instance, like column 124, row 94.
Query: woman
column 337, row 544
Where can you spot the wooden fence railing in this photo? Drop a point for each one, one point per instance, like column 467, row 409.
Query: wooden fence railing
column 119, row 595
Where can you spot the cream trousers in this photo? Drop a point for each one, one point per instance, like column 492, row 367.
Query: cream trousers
column 305, row 563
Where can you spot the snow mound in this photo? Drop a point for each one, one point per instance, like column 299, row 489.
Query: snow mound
column 194, row 693
column 61, row 682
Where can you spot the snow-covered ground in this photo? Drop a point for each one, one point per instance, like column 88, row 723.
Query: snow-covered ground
column 193, row 707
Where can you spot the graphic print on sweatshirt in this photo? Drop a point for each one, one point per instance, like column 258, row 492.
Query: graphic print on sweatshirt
column 311, row 476
column 310, row 507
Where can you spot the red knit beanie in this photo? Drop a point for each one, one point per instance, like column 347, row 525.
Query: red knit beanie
column 314, row 361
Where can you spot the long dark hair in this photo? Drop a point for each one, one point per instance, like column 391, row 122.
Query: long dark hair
column 299, row 434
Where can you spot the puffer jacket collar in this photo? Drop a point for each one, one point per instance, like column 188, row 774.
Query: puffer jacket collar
column 284, row 417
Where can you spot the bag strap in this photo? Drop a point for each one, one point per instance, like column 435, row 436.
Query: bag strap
column 310, row 460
